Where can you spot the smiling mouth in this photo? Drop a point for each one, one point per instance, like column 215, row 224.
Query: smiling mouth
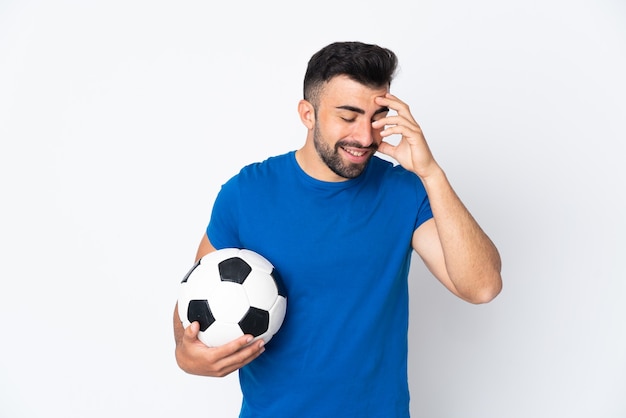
column 354, row 152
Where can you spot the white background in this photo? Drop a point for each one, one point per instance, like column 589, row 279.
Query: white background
column 120, row 120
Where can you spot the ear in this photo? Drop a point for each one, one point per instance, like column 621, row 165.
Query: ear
column 307, row 113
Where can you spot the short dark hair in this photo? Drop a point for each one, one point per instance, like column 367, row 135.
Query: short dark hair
column 368, row 64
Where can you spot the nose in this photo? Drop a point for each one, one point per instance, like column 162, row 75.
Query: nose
column 364, row 134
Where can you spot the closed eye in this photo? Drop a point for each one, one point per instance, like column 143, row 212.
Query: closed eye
column 382, row 116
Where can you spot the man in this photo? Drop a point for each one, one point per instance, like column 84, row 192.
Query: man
column 340, row 224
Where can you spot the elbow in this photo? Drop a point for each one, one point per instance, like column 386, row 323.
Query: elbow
column 487, row 291
column 486, row 296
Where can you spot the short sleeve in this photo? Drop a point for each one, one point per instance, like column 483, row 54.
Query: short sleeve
column 223, row 231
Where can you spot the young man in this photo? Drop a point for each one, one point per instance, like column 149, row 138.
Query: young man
column 340, row 224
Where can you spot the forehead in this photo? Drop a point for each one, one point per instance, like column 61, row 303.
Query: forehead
column 342, row 90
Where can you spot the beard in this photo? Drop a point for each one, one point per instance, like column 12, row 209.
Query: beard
column 332, row 158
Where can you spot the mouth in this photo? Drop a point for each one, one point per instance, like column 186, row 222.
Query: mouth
column 354, row 152
column 357, row 155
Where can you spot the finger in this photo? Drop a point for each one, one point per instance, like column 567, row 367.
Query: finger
column 237, row 344
column 396, row 104
column 387, row 149
column 391, row 101
column 239, row 349
column 405, row 131
column 410, row 133
column 236, row 354
column 395, row 99
column 191, row 332
column 395, row 120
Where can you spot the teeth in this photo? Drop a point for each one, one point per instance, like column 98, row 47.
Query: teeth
column 355, row 153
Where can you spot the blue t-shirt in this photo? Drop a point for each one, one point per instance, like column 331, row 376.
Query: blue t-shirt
column 343, row 250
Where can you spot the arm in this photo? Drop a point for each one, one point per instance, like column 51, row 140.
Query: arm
column 196, row 358
column 452, row 245
column 456, row 250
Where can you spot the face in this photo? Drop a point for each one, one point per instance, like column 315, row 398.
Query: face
column 343, row 135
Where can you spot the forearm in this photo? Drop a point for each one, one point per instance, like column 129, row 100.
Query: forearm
column 178, row 326
column 471, row 259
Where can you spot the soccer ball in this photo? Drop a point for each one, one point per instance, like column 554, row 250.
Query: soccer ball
column 232, row 292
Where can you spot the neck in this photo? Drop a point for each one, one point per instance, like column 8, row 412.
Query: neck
column 311, row 163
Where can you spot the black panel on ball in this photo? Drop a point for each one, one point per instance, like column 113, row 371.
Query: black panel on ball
column 255, row 322
column 198, row 310
column 190, row 271
column 279, row 283
column 234, row 270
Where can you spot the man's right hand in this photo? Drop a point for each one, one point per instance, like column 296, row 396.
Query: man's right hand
column 194, row 357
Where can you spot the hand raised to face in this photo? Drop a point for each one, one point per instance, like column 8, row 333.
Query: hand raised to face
column 412, row 152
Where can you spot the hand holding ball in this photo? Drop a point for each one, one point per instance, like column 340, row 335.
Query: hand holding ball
column 232, row 292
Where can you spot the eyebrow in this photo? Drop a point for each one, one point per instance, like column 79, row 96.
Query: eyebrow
column 361, row 111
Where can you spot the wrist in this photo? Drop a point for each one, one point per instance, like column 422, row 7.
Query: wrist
column 432, row 175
